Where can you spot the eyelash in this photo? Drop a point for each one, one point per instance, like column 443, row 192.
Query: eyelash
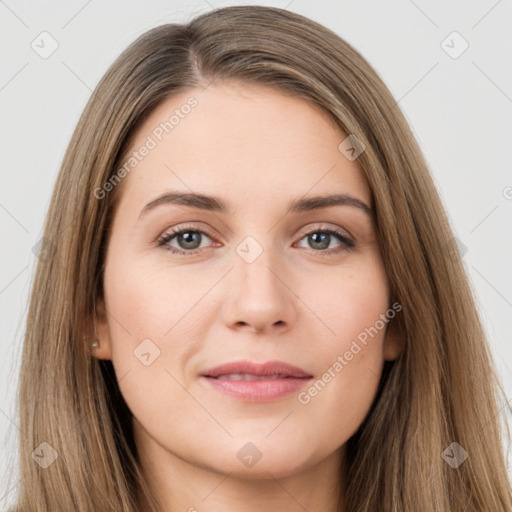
column 348, row 243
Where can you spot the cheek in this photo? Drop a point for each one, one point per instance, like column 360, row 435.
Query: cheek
column 153, row 330
column 154, row 301
column 153, row 327
column 347, row 381
column 347, row 305
column 349, row 350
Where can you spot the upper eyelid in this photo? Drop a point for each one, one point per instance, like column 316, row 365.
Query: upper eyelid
column 320, row 226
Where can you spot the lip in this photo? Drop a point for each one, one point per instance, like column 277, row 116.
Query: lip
column 276, row 380
column 267, row 369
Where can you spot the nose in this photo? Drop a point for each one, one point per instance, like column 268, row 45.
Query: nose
column 262, row 301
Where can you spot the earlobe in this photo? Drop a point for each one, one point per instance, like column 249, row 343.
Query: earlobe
column 100, row 345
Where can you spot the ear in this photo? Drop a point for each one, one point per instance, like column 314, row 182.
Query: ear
column 394, row 341
column 102, row 333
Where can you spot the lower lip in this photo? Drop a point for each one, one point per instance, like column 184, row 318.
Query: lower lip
column 258, row 390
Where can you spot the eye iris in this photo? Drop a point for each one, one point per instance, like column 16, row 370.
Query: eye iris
column 319, row 238
column 189, row 238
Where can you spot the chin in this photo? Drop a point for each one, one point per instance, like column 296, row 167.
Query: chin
column 261, row 459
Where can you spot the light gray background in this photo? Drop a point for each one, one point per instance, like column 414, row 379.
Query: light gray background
column 460, row 110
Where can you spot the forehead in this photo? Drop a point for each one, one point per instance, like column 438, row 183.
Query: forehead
column 243, row 142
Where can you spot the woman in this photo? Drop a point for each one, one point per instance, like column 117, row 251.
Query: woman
column 250, row 295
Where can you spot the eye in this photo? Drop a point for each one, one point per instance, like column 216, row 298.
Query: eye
column 320, row 239
column 188, row 239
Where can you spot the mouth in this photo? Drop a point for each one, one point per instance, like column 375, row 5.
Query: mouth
column 253, row 382
column 248, row 376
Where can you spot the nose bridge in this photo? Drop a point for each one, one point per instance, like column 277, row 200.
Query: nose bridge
column 255, row 261
column 261, row 298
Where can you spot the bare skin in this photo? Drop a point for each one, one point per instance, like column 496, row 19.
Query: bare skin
column 299, row 301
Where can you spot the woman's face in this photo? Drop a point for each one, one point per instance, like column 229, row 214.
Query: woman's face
column 264, row 278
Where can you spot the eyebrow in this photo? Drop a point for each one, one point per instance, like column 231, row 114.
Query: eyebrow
column 215, row 204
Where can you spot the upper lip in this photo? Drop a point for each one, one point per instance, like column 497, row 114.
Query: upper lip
column 264, row 370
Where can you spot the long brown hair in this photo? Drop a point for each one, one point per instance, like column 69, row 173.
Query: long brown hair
column 442, row 389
